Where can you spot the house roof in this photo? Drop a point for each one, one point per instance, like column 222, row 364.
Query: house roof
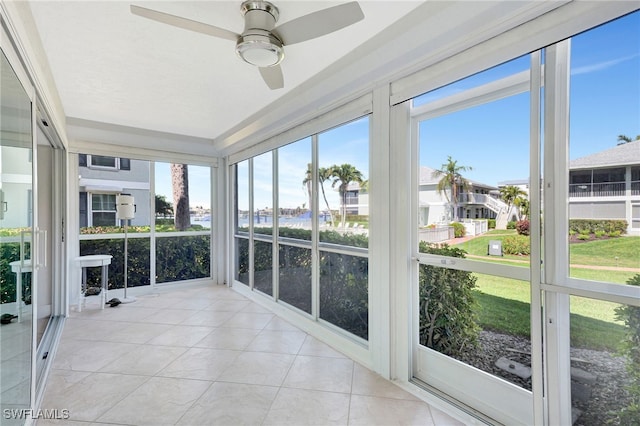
column 620, row 155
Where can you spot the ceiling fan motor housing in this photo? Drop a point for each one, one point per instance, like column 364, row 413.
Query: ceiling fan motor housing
column 257, row 45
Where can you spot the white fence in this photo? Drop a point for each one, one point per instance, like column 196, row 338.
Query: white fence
column 437, row 234
column 475, row 226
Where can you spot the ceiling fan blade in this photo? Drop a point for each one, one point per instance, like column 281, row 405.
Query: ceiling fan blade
column 184, row 23
column 319, row 23
column 273, row 77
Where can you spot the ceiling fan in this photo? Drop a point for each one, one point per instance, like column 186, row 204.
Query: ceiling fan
column 262, row 43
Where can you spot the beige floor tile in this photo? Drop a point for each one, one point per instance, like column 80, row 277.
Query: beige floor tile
column 128, row 313
column 92, row 396
column 192, row 303
column 137, row 332
column 168, row 316
column 248, row 320
column 159, row 401
column 228, row 305
column 254, row 307
column 91, row 329
column 181, row 335
column 366, row 382
column 315, row 347
column 277, row 323
column 208, row 318
column 145, row 360
column 200, row 363
column 305, row 407
column 84, row 355
column 317, row 373
column 228, row 338
column 369, row 410
column 231, row 404
column 258, row 368
column 284, row 342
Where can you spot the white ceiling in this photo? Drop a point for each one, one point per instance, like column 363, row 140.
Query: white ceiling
column 113, row 67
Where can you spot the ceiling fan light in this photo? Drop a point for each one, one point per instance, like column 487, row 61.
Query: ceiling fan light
column 261, row 53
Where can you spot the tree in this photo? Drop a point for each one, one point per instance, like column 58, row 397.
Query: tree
column 307, row 182
column 512, row 195
column 180, row 186
column 622, row 139
column 451, row 180
column 163, row 207
column 344, row 175
column 324, row 174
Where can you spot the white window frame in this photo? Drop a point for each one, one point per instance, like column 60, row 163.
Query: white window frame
column 90, row 165
column 91, row 211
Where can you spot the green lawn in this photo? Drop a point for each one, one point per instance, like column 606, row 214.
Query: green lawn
column 504, row 306
column 604, row 252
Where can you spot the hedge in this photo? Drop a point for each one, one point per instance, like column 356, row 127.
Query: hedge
column 591, row 226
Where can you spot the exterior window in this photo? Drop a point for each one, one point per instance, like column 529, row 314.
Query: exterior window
column 103, row 209
column 102, row 161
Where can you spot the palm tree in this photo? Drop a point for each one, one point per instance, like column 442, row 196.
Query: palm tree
column 307, row 182
column 511, row 194
column 180, row 186
column 451, row 180
column 344, row 175
column 622, row 139
column 324, row 174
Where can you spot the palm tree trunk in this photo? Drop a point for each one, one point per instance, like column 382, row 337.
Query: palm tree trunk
column 180, row 186
column 326, row 202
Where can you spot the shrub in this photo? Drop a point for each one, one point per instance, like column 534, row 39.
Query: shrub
column 600, row 234
column 593, row 225
column 630, row 348
column 615, row 234
column 459, row 230
column 491, row 224
column 448, row 323
column 584, row 237
column 516, row 245
column 522, row 227
column 511, row 225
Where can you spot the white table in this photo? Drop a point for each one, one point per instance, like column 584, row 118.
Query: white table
column 20, row 267
column 102, row 260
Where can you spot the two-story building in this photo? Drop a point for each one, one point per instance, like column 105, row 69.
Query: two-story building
column 606, row 185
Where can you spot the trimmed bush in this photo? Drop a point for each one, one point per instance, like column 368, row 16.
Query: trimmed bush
column 590, row 226
column 459, row 230
column 491, row 223
column 511, row 225
column 630, row 349
column 516, row 245
column 448, row 323
column 522, row 227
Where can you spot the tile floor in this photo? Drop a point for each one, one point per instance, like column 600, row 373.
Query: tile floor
column 209, row 356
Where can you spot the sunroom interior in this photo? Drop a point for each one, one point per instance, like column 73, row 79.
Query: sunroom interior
column 314, row 238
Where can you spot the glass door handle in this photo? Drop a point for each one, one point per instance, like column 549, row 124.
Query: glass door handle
column 42, row 248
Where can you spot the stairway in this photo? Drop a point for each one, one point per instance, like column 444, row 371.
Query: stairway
column 498, row 206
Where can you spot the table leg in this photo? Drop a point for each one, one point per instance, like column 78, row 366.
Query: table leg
column 19, row 294
column 105, row 280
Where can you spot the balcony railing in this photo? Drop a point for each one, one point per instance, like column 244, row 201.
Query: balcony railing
column 607, row 189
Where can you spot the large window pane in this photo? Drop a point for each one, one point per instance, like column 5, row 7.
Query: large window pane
column 182, row 258
column 604, row 244
column 242, row 260
column 138, row 262
column 465, row 200
column 294, row 190
column 343, row 158
column 263, row 267
column 344, row 295
column 605, row 362
column 263, row 194
column 242, row 196
column 295, row 277
column 182, row 190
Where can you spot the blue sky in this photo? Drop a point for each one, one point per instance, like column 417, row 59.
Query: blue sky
column 493, row 139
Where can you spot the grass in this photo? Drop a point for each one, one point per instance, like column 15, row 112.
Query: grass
column 504, row 306
column 604, row 252
column 593, row 253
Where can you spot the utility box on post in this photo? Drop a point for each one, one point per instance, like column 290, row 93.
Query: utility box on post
column 494, row 248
